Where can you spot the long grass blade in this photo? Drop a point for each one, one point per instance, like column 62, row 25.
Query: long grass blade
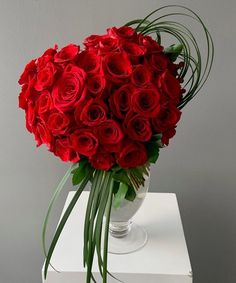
column 64, row 219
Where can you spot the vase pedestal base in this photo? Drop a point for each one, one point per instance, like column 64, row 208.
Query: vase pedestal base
column 135, row 239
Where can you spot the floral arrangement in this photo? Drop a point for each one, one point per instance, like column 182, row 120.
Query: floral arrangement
column 108, row 108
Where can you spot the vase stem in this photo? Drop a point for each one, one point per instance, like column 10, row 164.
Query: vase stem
column 120, row 229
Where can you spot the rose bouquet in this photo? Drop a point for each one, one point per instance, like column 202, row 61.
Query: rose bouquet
column 108, row 108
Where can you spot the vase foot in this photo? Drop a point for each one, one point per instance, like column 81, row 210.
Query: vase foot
column 135, row 239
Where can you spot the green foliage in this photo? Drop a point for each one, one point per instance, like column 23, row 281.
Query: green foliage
column 121, row 176
column 153, row 151
column 120, row 195
column 131, row 194
column 80, row 172
column 173, row 51
column 63, row 221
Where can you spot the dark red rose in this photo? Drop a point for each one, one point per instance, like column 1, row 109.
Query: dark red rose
column 66, row 54
column 96, row 84
column 45, row 77
column 112, row 148
column 58, row 123
column 69, row 89
column 109, row 132
column 108, row 44
column 62, row 148
column 48, row 56
column 146, row 102
column 102, row 161
column 92, row 40
column 123, row 32
column 167, row 135
column 141, row 76
column 28, row 73
column 169, row 116
column 89, row 61
column 44, row 102
column 42, row 134
column 138, row 127
column 84, row 142
column 132, row 154
column 51, row 51
column 30, row 117
column 150, row 44
column 170, row 85
column 91, row 113
column 159, row 62
column 132, row 49
column 120, row 101
column 118, row 66
column 23, row 97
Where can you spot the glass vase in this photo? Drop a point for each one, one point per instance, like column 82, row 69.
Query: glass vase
column 125, row 235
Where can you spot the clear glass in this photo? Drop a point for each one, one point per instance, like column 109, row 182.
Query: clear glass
column 125, row 235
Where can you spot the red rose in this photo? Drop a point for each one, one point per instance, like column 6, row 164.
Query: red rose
column 159, row 62
column 45, row 77
column 170, row 85
column 111, row 148
column 132, row 154
column 51, row 51
column 44, row 102
column 30, row 117
column 29, row 72
column 109, row 132
column 169, row 116
column 84, row 142
column 150, row 44
column 23, row 97
column 67, row 53
column 167, row 135
column 91, row 113
column 120, row 101
column 58, row 123
column 62, row 148
column 92, row 40
column 48, row 56
column 89, row 61
column 123, row 32
column 138, row 127
column 42, row 134
column 141, row 76
column 118, row 66
column 108, row 44
column 146, row 102
column 133, row 49
column 96, row 84
column 69, row 89
column 102, row 161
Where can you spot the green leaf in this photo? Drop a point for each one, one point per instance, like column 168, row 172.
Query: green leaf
column 153, row 151
column 121, row 176
column 173, row 51
column 120, row 195
column 156, row 137
column 80, row 172
column 131, row 194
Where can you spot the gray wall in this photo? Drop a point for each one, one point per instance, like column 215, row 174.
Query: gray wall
column 199, row 165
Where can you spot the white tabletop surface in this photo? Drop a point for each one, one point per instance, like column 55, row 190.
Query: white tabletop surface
column 164, row 254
